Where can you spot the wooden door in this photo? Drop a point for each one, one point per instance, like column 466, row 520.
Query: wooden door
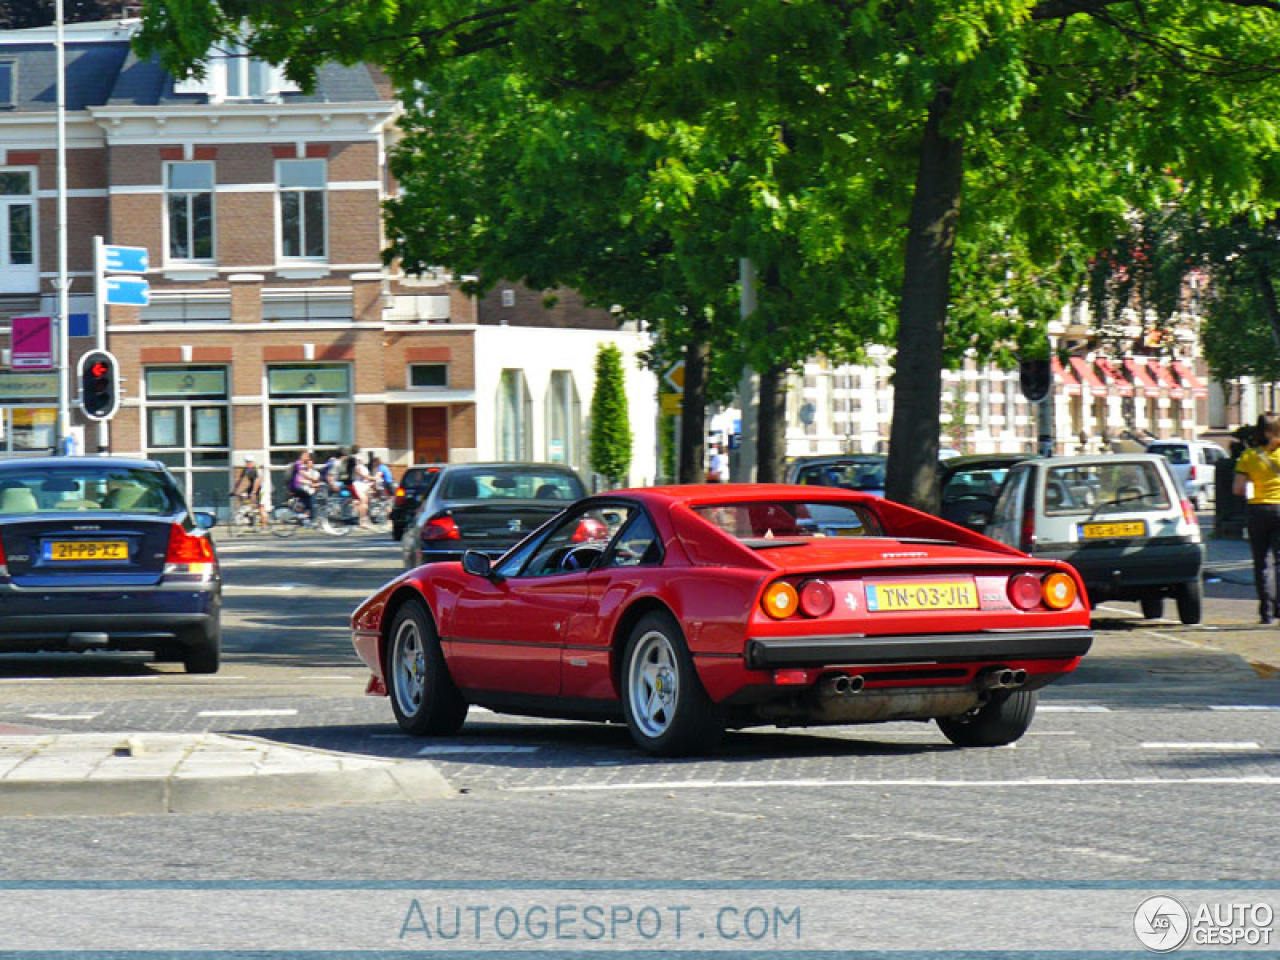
column 430, row 434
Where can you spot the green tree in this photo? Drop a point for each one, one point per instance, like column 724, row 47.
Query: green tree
column 610, row 420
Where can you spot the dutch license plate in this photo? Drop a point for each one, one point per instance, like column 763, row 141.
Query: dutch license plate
column 86, row 550
column 1101, row 531
column 885, row 597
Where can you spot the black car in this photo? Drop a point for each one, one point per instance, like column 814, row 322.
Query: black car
column 413, row 486
column 487, row 507
column 970, row 485
column 101, row 553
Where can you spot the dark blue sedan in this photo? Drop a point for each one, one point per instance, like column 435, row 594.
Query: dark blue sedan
column 101, row 553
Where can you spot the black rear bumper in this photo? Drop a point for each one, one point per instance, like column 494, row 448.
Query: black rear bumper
column 764, row 654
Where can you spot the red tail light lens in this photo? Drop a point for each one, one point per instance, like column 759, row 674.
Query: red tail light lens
column 399, row 494
column 1189, row 513
column 441, row 528
column 184, row 548
column 1025, row 591
column 1027, row 535
column 589, row 528
column 816, row 598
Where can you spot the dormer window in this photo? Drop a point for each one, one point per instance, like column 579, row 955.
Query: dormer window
column 231, row 72
column 8, row 82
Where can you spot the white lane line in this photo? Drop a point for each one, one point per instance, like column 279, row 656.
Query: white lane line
column 1204, row 745
column 1051, row 733
column 327, row 676
column 1069, row 708
column 326, row 563
column 62, row 716
column 452, row 748
column 247, row 713
column 876, row 784
column 1242, row 708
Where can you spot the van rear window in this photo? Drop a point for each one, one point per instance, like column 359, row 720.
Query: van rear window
column 1117, row 486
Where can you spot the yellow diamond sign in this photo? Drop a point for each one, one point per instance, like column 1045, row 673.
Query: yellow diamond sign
column 673, row 379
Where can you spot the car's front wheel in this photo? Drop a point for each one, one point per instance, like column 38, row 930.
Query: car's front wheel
column 1001, row 720
column 1191, row 602
column 423, row 696
column 667, row 710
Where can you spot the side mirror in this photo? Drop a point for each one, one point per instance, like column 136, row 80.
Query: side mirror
column 204, row 519
column 477, row 564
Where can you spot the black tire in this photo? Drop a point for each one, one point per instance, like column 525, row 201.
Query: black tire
column 686, row 723
column 333, row 518
column 1001, row 720
column 1191, row 602
column 205, row 655
column 1153, row 607
column 423, row 696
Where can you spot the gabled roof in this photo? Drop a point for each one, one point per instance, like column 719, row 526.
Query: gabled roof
column 92, row 69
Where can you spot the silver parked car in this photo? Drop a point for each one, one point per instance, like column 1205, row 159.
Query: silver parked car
column 1194, row 464
column 1120, row 519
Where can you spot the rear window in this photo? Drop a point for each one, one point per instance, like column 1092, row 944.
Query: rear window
column 790, row 519
column 855, row 475
column 418, row 478
column 114, row 489
column 1173, row 452
column 1116, row 486
column 974, row 483
column 483, row 483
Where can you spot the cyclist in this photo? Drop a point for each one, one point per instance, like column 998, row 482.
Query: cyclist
column 303, row 479
column 249, row 486
column 358, row 481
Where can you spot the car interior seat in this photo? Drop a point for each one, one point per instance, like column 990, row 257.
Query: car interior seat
column 124, row 497
column 548, row 491
column 464, row 488
column 18, row 500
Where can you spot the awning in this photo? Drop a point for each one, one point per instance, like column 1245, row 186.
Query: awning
column 1141, row 378
column 1123, row 387
column 1070, row 385
column 1189, row 378
column 1084, row 370
column 1167, row 380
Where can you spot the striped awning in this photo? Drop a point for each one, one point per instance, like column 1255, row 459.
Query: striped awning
column 1188, row 377
column 1141, row 378
column 1122, row 386
column 1088, row 377
column 1168, row 379
column 1070, row 385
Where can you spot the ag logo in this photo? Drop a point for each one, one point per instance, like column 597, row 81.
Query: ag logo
column 1161, row 924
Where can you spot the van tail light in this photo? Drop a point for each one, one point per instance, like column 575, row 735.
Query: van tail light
column 441, row 528
column 1027, row 535
column 188, row 553
column 4, row 561
column 399, row 495
column 1189, row 513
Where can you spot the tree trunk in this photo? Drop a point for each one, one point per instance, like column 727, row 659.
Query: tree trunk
column 771, row 425
column 912, row 476
column 693, row 409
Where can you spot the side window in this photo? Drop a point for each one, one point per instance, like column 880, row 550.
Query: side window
column 577, row 542
column 1008, row 508
column 637, row 544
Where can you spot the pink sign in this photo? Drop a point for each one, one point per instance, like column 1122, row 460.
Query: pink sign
column 31, row 343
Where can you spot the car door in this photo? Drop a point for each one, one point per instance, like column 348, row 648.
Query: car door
column 507, row 631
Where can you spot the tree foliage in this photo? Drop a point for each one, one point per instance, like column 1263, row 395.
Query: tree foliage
column 610, row 419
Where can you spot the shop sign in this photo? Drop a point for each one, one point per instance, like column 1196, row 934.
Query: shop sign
column 186, row 383
column 23, row 387
column 321, row 380
column 32, row 343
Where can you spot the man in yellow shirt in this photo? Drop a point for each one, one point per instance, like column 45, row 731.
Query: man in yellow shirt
column 1260, row 466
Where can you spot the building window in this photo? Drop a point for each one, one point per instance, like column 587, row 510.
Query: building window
column 233, row 73
column 310, row 409
column 18, row 270
column 428, row 375
column 302, row 208
column 8, row 83
column 189, row 203
column 187, row 427
column 513, row 416
column 564, row 420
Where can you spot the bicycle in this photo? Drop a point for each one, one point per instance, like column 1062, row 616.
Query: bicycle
column 289, row 517
column 244, row 517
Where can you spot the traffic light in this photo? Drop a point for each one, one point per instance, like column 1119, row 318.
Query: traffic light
column 99, row 385
column 1035, row 377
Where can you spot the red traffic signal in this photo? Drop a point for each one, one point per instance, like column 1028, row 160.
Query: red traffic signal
column 99, row 385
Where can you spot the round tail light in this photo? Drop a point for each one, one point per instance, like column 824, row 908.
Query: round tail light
column 816, row 598
column 1060, row 591
column 1025, row 591
column 780, row 600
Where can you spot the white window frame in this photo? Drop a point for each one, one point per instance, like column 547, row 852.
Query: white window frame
column 12, row 67
column 213, row 212
column 223, row 64
column 281, row 166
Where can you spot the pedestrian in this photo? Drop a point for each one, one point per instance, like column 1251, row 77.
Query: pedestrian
column 1259, row 466
column 717, row 466
column 249, row 486
column 357, row 478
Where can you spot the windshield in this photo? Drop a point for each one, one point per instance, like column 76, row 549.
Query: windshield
column 773, row 519
column 1114, row 486
column 492, row 483
column 108, row 487
column 1173, row 452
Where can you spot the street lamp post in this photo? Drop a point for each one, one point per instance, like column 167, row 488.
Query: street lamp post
column 63, row 428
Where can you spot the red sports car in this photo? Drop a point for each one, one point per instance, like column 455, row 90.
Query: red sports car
column 686, row 610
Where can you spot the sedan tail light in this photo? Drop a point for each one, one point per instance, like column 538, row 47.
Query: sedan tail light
column 816, row 598
column 441, row 528
column 187, row 553
column 399, row 495
column 1025, row 591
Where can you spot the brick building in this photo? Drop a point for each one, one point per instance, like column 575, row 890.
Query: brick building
column 272, row 324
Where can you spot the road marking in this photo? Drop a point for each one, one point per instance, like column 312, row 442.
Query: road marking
column 1051, row 733
column 62, row 716
column 999, row 784
column 452, row 748
column 1070, row 708
column 1242, row 708
column 247, row 713
column 327, row 676
column 325, row 563
column 1206, row 745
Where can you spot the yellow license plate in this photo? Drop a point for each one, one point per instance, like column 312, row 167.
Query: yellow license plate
column 87, row 550
column 885, row 597
column 1101, row 531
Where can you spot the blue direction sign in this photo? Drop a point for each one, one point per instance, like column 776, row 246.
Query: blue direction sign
column 128, row 291
column 126, row 259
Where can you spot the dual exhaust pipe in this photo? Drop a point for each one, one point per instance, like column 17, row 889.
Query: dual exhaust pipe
column 841, row 685
column 1002, row 679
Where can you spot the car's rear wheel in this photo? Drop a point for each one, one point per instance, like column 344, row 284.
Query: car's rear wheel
column 205, row 655
column 1191, row 602
column 1153, row 607
column 667, row 710
column 423, row 696
column 1001, row 720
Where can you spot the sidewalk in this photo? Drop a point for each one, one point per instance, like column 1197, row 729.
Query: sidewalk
column 65, row 774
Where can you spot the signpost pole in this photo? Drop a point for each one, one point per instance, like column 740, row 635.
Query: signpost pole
column 100, row 323
column 63, row 427
column 744, row 471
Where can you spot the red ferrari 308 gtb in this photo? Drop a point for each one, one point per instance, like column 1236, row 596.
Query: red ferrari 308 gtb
column 686, row 610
